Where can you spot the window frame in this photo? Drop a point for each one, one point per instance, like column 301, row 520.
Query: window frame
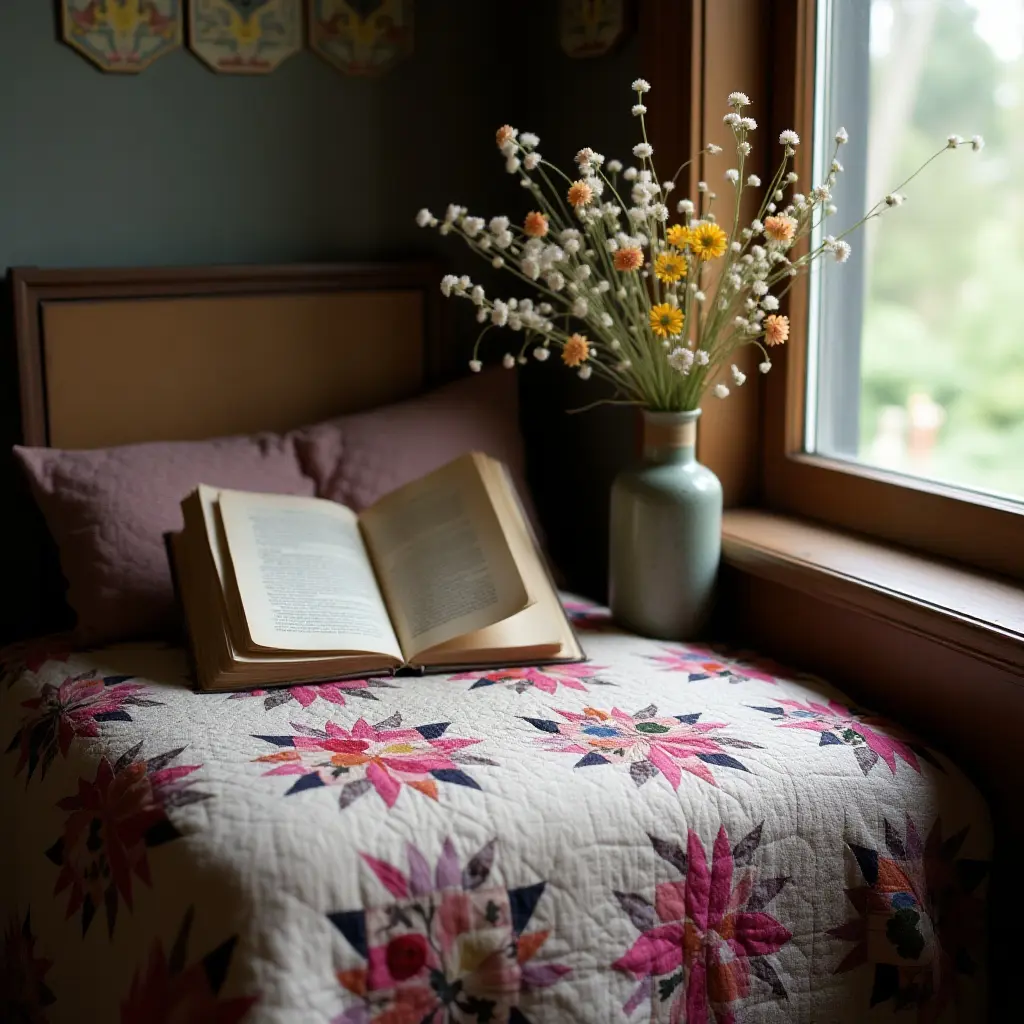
column 940, row 519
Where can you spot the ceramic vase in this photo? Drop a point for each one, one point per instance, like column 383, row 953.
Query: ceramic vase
column 665, row 533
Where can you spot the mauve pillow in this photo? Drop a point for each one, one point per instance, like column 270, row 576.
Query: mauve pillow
column 359, row 458
column 109, row 508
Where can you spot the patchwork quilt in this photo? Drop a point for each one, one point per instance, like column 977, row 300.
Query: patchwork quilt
column 665, row 833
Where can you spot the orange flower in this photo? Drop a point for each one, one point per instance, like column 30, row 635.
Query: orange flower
column 630, row 258
column 536, row 224
column 506, row 133
column 780, row 228
column 576, row 350
column 776, row 329
column 580, row 193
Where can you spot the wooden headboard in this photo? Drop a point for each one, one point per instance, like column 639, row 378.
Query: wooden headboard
column 111, row 357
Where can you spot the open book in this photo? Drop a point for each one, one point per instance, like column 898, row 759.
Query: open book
column 443, row 573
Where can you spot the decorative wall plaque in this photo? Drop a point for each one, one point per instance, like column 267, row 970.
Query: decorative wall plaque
column 361, row 37
column 245, row 37
column 122, row 35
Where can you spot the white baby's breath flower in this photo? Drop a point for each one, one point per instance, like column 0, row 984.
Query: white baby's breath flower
column 508, row 361
column 732, row 119
column 512, row 164
column 606, row 320
column 735, row 247
column 531, row 161
column 615, row 344
column 508, row 149
column 478, row 296
column 583, row 273
column 499, row 313
column 977, row 143
column 580, row 307
column 572, row 246
column 614, row 166
column 789, row 138
column 734, row 280
column 721, row 391
column 504, row 240
column 621, row 293
column 771, row 207
column 799, row 200
column 572, row 288
column 541, row 354
column 699, row 296
column 837, row 167
column 748, row 123
column 702, row 186
column 445, row 229
column 738, row 375
column 749, row 305
column 584, row 371
column 602, row 287
column 684, row 206
column 531, row 268
column 701, row 358
column 712, row 150
column 894, row 199
column 630, row 174
column 583, row 156
column 473, row 226
column 482, row 315
column 753, row 181
column 498, row 225
column 448, row 282
column 453, row 213
column 954, row 141
column 625, row 365
column 744, row 148
column 738, row 99
column 842, row 136
column 792, row 177
column 515, row 322
column 638, row 109
column 765, row 366
column 643, row 150
column 529, row 140
column 840, row 249
column 756, row 226
column 830, row 209
column 667, row 186
column 425, row 218
column 660, row 212
column 741, row 322
column 680, row 359
column 770, row 302
column 641, row 85
column 498, row 262
column 475, row 365
column 732, row 175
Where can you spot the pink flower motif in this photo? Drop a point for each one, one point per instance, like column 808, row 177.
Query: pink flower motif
column 31, row 655
column 452, row 946
column 713, row 933
column 838, row 724
column 308, row 693
column 700, row 663
column 61, row 713
column 648, row 744
column 382, row 757
column 24, row 994
column 547, row 680
column 588, row 617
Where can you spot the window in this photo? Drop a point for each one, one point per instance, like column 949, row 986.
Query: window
column 915, row 360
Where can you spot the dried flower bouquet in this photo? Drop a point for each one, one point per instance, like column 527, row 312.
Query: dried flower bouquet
column 658, row 305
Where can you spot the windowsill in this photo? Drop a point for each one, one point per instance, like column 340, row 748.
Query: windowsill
column 978, row 615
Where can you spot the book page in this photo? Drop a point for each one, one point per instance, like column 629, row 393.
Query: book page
column 442, row 558
column 538, row 631
column 304, row 577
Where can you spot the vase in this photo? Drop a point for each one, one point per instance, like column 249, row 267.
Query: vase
column 665, row 533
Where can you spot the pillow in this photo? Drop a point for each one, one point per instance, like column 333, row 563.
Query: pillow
column 108, row 509
column 359, row 458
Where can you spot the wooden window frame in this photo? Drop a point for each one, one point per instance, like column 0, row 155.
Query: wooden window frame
column 938, row 519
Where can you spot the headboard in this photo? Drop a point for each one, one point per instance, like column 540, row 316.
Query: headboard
column 109, row 357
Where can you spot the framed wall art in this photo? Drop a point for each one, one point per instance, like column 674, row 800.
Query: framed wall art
column 592, row 28
column 361, row 37
column 122, row 35
column 245, row 37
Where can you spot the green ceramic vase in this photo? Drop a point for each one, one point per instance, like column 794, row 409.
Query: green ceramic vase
column 665, row 533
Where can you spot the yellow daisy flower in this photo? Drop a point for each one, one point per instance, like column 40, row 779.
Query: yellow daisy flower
column 666, row 321
column 670, row 266
column 708, row 240
column 678, row 235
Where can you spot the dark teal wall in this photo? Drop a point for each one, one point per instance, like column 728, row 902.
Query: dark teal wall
column 179, row 165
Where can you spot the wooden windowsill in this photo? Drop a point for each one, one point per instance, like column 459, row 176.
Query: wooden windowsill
column 976, row 614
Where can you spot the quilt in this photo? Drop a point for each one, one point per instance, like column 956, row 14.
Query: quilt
column 664, row 833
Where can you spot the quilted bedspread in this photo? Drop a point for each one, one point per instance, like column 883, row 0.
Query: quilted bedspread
column 664, row 833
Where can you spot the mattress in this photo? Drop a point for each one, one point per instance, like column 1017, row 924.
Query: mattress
column 663, row 833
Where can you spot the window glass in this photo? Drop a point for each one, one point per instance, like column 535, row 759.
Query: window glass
column 917, row 354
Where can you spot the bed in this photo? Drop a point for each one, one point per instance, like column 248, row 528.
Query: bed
column 663, row 833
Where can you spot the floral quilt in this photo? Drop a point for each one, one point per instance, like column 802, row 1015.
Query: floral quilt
column 664, row 833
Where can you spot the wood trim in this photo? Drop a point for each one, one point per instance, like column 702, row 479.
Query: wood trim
column 33, row 288
column 942, row 520
column 976, row 615
column 723, row 41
